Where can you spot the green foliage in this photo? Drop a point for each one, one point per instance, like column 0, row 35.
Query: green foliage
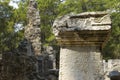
column 49, row 10
column 113, row 4
column 112, row 49
column 5, row 22
column 8, row 37
column 20, row 14
column 78, row 6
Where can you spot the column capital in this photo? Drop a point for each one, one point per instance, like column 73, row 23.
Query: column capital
column 84, row 29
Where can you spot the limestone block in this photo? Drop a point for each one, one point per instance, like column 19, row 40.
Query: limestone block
column 89, row 28
column 111, row 66
column 76, row 63
column 81, row 36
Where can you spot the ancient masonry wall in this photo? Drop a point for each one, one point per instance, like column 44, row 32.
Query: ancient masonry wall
column 32, row 30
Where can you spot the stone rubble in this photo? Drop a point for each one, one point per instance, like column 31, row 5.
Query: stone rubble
column 109, row 66
column 18, row 65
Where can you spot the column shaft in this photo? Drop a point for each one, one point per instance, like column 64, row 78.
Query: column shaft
column 78, row 63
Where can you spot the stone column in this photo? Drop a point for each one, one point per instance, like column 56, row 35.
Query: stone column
column 32, row 30
column 81, row 37
column 33, row 33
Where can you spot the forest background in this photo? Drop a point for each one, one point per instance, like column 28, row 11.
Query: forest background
column 13, row 20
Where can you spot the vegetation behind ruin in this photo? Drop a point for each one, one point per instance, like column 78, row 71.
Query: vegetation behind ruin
column 11, row 18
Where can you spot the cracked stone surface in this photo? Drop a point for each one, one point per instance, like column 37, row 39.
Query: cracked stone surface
column 81, row 37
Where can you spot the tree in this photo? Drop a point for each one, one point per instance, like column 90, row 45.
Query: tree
column 78, row 6
column 112, row 49
column 8, row 37
column 49, row 10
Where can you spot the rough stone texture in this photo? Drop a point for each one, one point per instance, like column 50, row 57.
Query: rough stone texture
column 47, row 64
column 52, row 55
column 109, row 66
column 18, row 65
column 89, row 28
column 33, row 34
column 29, row 62
column 82, row 21
column 80, row 63
column 81, row 37
column 32, row 30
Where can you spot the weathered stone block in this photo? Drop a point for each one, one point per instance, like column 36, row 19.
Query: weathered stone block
column 81, row 36
column 89, row 28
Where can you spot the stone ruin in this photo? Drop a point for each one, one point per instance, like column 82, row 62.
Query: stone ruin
column 45, row 59
column 112, row 65
column 32, row 30
column 29, row 61
column 81, row 37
